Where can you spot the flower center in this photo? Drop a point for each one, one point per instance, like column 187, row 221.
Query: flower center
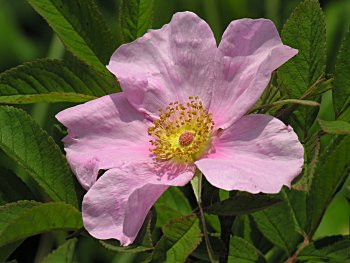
column 182, row 133
column 186, row 138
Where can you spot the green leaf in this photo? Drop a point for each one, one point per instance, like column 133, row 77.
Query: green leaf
column 240, row 205
column 7, row 250
column 305, row 31
column 27, row 218
column 280, row 103
column 115, row 247
column 217, row 245
column 341, row 83
column 277, row 225
column 335, row 127
column 181, row 237
column 241, row 251
column 31, row 147
column 48, row 80
column 12, row 187
column 243, row 227
column 333, row 249
column 135, row 18
column 63, row 254
column 345, row 116
column 296, row 200
column 312, row 151
column 81, row 27
column 142, row 243
column 172, row 203
column 330, row 174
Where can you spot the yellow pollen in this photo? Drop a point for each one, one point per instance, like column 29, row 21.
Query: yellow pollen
column 182, row 133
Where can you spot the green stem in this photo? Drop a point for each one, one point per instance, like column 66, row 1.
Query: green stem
column 204, row 226
column 287, row 101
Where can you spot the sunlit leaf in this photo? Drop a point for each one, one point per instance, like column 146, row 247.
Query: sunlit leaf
column 81, row 27
column 172, row 203
column 181, row 237
column 47, row 80
column 136, row 18
column 335, row 127
column 305, row 31
column 63, row 254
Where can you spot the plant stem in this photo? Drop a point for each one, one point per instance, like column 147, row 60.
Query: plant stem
column 202, row 218
column 294, row 258
column 287, row 101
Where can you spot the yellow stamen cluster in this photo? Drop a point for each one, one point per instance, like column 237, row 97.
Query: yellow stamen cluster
column 182, row 133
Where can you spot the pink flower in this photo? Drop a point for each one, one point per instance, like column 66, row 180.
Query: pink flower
column 182, row 108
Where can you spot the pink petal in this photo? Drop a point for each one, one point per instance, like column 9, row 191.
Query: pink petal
column 117, row 204
column 248, row 53
column 102, row 134
column 258, row 153
column 167, row 65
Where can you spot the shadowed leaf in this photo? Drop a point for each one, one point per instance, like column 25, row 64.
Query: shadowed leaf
column 31, row 147
column 330, row 174
column 240, row 205
column 277, row 225
column 142, row 243
column 341, row 90
column 26, row 218
column 241, row 251
column 12, row 188
column 335, row 249
column 312, row 150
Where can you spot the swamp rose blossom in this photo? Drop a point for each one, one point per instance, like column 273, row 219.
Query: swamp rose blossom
column 182, row 108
